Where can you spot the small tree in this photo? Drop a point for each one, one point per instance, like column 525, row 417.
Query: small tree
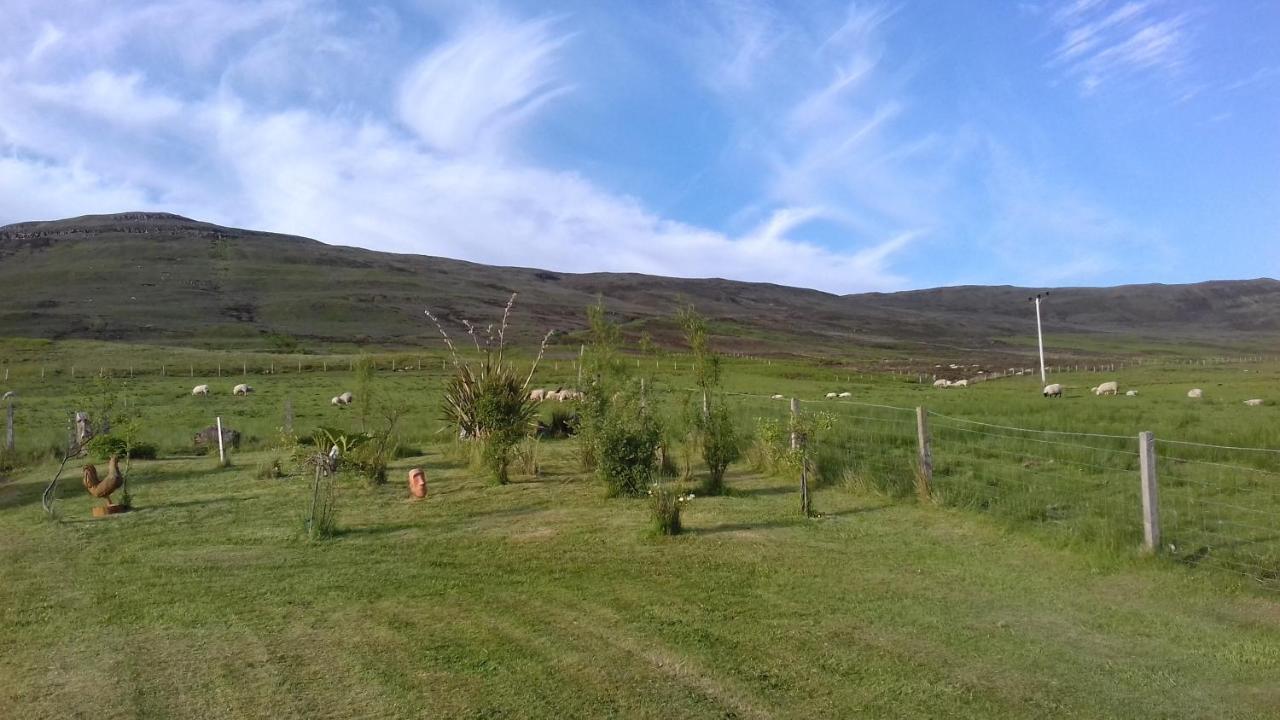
column 618, row 435
column 714, row 425
column 489, row 402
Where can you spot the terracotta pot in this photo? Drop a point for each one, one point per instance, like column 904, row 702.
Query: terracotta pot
column 417, row 483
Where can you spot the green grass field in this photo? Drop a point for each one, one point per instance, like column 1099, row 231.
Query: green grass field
column 1020, row 593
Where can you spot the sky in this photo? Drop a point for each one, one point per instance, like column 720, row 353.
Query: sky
column 844, row 147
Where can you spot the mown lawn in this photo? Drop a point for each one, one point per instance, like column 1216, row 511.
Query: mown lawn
column 542, row 599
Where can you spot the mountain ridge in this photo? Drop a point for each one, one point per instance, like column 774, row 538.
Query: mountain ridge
column 164, row 277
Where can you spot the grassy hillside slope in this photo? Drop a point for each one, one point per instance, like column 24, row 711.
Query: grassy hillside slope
column 162, row 278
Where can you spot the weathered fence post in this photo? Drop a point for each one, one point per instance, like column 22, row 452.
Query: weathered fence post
column 797, row 443
column 288, row 415
column 1150, row 492
column 9, row 442
column 222, row 452
column 924, row 478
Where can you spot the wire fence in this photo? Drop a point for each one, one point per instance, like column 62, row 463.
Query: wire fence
column 1218, row 506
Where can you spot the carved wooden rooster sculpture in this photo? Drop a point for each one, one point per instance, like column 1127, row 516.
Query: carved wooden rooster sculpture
column 103, row 488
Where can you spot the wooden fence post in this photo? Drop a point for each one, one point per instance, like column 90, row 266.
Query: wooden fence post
column 9, row 442
column 288, row 415
column 222, row 452
column 797, row 443
column 924, row 478
column 1150, row 492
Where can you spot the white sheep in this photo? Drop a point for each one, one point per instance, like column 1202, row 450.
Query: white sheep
column 1107, row 388
column 1195, row 393
column 960, row 383
column 845, row 394
column 336, row 401
column 538, row 395
column 241, row 389
column 345, row 397
column 777, row 397
column 200, row 390
column 1131, row 393
column 1255, row 402
column 831, row 396
column 941, row 383
column 1053, row 390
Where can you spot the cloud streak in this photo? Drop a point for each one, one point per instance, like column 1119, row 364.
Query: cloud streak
column 1103, row 42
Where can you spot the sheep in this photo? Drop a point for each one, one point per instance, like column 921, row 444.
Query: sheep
column 1053, row 390
column 831, row 396
column 960, row 383
column 241, row 389
column 777, row 397
column 200, row 390
column 1131, row 393
column 538, row 395
column 941, row 383
column 345, row 397
column 1195, row 393
column 1255, row 402
column 845, row 394
column 336, row 401
column 1107, row 388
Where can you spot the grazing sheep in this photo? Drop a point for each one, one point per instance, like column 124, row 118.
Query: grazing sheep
column 941, row 383
column 830, row 396
column 241, row 389
column 845, row 394
column 336, row 401
column 960, row 383
column 538, row 395
column 1053, row 390
column 1195, row 393
column 777, row 397
column 345, row 397
column 200, row 390
column 1131, row 393
column 1255, row 402
column 1107, row 388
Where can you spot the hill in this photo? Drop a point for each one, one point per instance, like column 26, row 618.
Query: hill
column 163, row 278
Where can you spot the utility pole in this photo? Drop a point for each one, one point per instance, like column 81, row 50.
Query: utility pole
column 1040, row 334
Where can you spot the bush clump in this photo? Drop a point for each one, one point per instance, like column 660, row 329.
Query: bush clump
column 664, row 509
column 104, row 446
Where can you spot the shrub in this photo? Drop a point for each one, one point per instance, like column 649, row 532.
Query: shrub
column 526, row 456
column 271, row 469
column 664, row 509
column 626, row 445
column 104, row 446
column 719, row 446
column 489, row 403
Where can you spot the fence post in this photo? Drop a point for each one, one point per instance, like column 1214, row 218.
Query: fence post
column 288, row 415
column 222, row 452
column 9, row 443
column 796, row 444
column 1150, row 492
column 924, row 484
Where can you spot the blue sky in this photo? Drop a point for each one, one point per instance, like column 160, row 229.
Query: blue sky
column 846, row 147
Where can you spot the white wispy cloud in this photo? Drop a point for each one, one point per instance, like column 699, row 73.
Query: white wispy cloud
column 468, row 94
column 1103, row 41
column 222, row 132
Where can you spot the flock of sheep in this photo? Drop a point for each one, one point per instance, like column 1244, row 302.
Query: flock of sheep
column 1113, row 388
column 557, row 395
column 240, row 389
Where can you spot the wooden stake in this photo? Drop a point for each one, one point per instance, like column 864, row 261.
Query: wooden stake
column 924, row 482
column 222, row 451
column 1150, row 492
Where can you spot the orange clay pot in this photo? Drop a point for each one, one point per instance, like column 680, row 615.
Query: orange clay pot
column 417, row 483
